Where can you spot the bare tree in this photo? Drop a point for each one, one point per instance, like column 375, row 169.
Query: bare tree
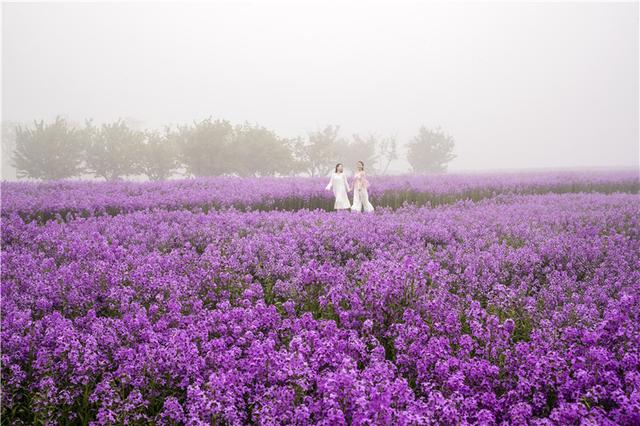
column 8, row 149
column 387, row 152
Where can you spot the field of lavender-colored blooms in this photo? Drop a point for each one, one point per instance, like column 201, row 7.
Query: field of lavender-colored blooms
column 464, row 299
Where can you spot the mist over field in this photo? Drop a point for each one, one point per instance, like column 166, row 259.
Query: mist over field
column 516, row 86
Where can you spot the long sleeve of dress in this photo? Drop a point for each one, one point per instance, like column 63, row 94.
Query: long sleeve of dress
column 328, row 187
column 346, row 183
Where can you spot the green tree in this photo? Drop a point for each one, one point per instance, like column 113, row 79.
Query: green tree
column 430, row 151
column 158, row 156
column 359, row 149
column 112, row 150
column 258, row 151
column 48, row 151
column 318, row 154
column 204, row 147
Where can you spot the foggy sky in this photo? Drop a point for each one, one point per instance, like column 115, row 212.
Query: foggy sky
column 517, row 85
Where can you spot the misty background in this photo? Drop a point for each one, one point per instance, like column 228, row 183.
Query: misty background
column 517, row 86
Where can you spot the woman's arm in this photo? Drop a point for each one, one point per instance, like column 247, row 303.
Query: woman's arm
column 346, row 182
column 357, row 180
column 328, row 187
column 365, row 182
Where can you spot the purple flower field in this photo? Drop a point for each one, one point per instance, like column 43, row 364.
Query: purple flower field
column 517, row 305
column 44, row 201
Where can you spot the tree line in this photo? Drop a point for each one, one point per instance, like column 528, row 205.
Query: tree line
column 113, row 151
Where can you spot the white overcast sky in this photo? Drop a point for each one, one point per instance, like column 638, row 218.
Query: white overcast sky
column 517, row 85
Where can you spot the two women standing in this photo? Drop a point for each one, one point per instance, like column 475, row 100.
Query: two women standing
column 340, row 187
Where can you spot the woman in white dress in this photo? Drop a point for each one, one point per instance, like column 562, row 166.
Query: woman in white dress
column 360, row 193
column 340, row 187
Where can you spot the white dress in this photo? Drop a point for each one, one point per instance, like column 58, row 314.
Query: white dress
column 360, row 193
column 340, row 187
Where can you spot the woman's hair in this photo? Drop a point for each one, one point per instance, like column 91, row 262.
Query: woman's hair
column 337, row 165
column 361, row 162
